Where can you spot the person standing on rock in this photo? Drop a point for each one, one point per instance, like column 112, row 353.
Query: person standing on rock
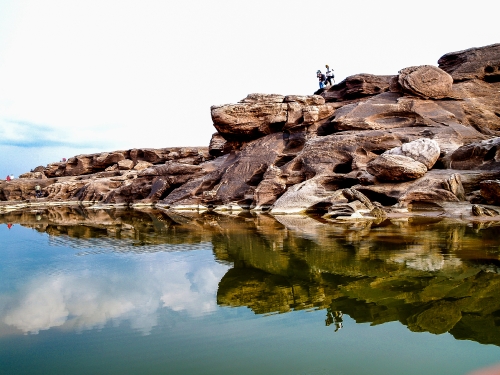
column 321, row 78
column 329, row 75
column 38, row 191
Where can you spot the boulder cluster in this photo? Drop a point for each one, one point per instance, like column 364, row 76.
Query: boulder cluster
column 426, row 135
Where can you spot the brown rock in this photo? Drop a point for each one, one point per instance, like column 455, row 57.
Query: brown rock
column 301, row 197
column 355, row 195
column 454, row 185
column 423, row 150
column 220, row 146
column 490, row 191
column 484, row 155
column 33, row 175
column 193, row 192
column 21, row 188
column 104, row 160
column 253, row 117
column 170, row 168
column 375, row 134
column 338, row 154
column 481, row 63
column 112, row 168
column 270, row 188
column 305, row 99
column 357, row 86
column 478, row 210
column 396, row 168
column 263, row 98
column 426, row 81
column 141, row 165
column 95, row 190
column 239, row 182
column 388, row 111
column 125, row 164
column 437, row 185
column 64, row 190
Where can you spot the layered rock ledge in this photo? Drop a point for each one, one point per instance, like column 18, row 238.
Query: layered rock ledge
column 428, row 136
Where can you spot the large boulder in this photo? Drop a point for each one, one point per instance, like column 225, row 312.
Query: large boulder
column 424, row 150
column 254, row 117
column 426, row 81
column 389, row 167
column 260, row 114
column 490, row 191
column 141, row 165
column 125, row 164
column 303, row 196
column 484, row 155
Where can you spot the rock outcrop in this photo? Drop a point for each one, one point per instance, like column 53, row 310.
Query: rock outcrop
column 428, row 134
column 426, row 81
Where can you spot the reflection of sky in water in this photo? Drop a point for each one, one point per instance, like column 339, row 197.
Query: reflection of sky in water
column 51, row 287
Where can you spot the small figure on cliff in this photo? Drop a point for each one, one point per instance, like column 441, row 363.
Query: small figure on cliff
column 329, row 75
column 321, row 78
column 38, row 191
column 7, row 178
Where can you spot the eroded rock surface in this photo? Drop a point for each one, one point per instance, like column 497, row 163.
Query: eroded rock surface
column 426, row 81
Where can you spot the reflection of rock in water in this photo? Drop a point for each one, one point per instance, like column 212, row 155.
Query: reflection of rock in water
column 468, row 308
column 428, row 274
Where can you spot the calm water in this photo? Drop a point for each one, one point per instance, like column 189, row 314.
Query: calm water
column 120, row 292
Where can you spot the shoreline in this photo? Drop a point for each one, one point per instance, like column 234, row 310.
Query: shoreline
column 456, row 211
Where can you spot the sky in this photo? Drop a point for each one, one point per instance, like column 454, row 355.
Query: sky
column 89, row 76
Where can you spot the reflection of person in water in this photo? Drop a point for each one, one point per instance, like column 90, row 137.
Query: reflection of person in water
column 334, row 317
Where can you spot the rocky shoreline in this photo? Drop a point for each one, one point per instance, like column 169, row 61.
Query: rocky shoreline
column 423, row 142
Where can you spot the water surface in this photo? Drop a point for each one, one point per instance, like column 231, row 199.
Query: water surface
column 127, row 292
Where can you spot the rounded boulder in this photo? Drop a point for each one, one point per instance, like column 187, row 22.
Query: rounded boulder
column 426, row 81
column 424, row 150
column 388, row 167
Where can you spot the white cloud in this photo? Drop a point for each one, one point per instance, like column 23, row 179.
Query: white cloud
column 92, row 298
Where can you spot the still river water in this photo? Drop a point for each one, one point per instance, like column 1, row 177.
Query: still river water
column 150, row 292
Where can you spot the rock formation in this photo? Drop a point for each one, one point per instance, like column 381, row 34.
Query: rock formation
column 427, row 134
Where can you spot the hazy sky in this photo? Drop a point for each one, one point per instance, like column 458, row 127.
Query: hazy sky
column 90, row 76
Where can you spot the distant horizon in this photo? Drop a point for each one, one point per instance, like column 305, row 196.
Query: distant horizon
column 100, row 76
